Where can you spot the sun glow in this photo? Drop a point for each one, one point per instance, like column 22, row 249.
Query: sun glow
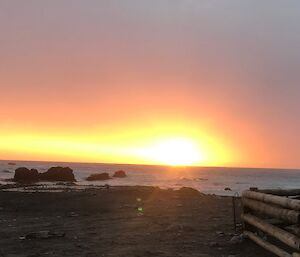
column 175, row 152
column 166, row 144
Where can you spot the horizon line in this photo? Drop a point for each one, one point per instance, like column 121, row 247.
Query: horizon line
column 160, row 165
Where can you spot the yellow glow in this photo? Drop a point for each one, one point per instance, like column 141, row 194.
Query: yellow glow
column 174, row 151
column 165, row 144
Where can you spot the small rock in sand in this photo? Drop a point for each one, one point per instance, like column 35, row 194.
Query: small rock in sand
column 214, row 244
column 188, row 192
column 73, row 214
column 179, row 227
column 220, row 233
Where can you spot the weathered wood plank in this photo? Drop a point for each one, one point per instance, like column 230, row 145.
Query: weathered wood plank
column 266, row 245
column 273, row 199
column 282, row 235
column 281, row 192
column 272, row 211
column 295, row 229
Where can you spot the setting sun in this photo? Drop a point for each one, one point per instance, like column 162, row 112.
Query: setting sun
column 175, row 151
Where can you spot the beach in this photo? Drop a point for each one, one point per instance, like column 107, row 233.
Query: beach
column 120, row 221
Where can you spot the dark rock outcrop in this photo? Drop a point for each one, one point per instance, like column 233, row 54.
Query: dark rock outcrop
column 23, row 174
column 58, row 174
column 98, row 176
column 120, row 174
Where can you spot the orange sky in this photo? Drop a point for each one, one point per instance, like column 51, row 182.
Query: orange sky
column 105, row 81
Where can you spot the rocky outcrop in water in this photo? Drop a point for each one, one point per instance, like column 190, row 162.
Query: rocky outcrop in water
column 53, row 174
column 6, row 171
column 58, row 174
column 23, row 174
column 99, row 176
column 120, row 174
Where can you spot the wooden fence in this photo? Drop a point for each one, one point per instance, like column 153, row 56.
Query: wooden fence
column 271, row 219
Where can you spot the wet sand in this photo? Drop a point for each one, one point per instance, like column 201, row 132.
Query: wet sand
column 122, row 221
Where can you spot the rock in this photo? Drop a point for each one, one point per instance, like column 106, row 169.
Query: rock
column 98, row 176
column 58, row 174
column 214, row 244
column 238, row 239
column 253, row 189
column 189, row 192
column 227, row 189
column 73, row 214
column 23, row 174
column 53, row 174
column 11, row 163
column 120, row 174
column 220, row 233
column 6, row 171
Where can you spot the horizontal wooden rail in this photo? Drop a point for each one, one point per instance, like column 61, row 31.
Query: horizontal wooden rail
column 273, row 199
column 266, row 245
column 278, row 233
column 273, row 211
column 281, row 192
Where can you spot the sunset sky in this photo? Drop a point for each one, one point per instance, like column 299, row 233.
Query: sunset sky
column 125, row 81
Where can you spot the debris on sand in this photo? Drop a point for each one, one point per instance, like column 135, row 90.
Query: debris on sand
column 45, row 234
column 73, row 214
column 179, row 228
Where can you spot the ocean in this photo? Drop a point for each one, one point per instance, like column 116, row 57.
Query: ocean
column 210, row 180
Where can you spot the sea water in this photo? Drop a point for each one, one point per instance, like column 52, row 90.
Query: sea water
column 210, row 180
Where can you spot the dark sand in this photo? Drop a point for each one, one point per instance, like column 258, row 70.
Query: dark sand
column 109, row 223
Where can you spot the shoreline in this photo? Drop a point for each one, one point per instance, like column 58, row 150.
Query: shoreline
column 60, row 187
